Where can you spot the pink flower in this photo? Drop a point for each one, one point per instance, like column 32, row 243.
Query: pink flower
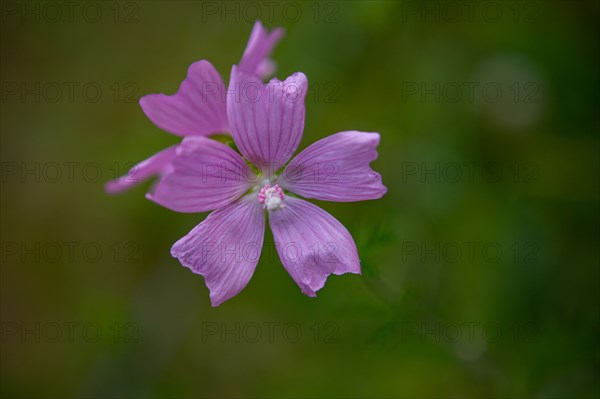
column 198, row 108
column 267, row 122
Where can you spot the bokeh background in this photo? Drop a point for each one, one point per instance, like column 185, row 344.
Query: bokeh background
column 480, row 265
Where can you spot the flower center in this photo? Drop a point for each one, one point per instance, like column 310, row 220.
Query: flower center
column 271, row 197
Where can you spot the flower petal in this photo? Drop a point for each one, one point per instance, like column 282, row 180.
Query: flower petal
column 312, row 244
column 266, row 120
column 225, row 248
column 198, row 107
column 259, row 47
column 157, row 164
column 206, row 175
column 336, row 168
column 266, row 68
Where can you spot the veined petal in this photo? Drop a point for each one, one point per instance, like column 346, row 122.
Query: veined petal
column 225, row 248
column 336, row 168
column 312, row 244
column 259, row 48
column 198, row 107
column 157, row 164
column 206, row 175
column 266, row 120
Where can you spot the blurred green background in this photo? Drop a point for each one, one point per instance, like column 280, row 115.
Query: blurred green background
column 480, row 265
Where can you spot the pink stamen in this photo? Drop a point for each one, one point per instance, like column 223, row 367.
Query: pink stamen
column 271, row 197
